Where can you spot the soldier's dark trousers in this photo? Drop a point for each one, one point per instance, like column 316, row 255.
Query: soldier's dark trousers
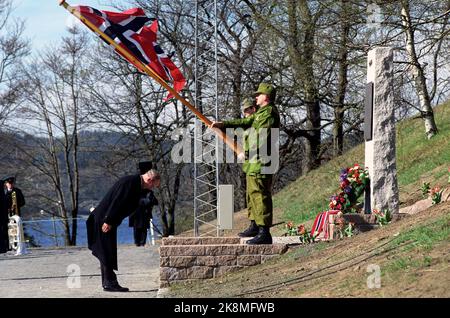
column 109, row 278
column 140, row 236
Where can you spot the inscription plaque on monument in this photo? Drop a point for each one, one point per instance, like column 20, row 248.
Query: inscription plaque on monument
column 368, row 112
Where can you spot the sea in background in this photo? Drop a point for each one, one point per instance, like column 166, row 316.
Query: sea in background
column 42, row 232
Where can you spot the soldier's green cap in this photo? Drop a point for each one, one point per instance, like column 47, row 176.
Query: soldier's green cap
column 266, row 88
column 248, row 102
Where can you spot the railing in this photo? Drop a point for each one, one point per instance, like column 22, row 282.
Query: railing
column 51, row 233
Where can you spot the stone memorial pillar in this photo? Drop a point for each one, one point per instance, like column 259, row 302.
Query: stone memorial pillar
column 379, row 131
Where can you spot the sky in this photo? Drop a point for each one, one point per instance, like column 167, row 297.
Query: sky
column 46, row 21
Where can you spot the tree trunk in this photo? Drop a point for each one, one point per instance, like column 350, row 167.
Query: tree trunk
column 311, row 98
column 75, row 181
column 339, row 109
column 418, row 73
column 53, row 151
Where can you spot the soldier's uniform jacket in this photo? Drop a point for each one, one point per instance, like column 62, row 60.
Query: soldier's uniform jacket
column 266, row 117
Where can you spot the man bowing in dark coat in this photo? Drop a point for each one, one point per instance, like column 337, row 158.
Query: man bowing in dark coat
column 119, row 202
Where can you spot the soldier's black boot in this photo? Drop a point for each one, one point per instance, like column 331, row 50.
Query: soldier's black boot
column 251, row 231
column 263, row 236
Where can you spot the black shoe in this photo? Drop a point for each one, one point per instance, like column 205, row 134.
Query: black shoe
column 115, row 288
column 263, row 237
column 251, row 231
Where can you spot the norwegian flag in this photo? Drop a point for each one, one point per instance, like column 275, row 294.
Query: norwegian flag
column 157, row 59
column 320, row 225
column 129, row 30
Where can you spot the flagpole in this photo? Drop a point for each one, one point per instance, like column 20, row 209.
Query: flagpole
column 234, row 146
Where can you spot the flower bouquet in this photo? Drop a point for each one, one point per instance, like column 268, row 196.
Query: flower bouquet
column 353, row 182
column 383, row 218
column 436, row 195
column 304, row 235
column 300, row 231
column 349, row 230
column 290, row 229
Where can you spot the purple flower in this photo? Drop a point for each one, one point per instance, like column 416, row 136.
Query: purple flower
column 343, row 171
column 348, row 189
column 343, row 177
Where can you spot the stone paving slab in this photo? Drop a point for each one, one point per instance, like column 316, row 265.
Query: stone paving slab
column 44, row 273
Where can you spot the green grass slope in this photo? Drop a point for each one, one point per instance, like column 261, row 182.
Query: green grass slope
column 418, row 160
column 410, row 255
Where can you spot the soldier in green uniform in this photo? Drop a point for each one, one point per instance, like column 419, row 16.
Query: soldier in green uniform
column 259, row 184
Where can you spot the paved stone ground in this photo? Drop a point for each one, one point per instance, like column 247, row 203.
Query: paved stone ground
column 44, row 273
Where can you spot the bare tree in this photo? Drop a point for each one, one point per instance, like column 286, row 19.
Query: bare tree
column 54, row 102
column 419, row 30
column 132, row 104
column 417, row 71
column 12, row 49
column 295, row 23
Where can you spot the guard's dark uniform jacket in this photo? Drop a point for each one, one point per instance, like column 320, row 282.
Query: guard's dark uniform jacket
column 20, row 201
column 4, row 239
column 120, row 201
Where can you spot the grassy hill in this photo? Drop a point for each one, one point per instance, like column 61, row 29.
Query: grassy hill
column 412, row 256
column 412, row 253
column 418, row 160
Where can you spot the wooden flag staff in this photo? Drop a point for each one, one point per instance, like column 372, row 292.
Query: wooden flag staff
column 154, row 75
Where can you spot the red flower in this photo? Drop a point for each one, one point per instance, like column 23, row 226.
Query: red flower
column 344, row 183
column 435, row 190
column 301, row 229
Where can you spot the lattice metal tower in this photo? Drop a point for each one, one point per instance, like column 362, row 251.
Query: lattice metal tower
column 206, row 177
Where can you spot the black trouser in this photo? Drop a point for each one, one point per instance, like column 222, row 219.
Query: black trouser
column 4, row 239
column 109, row 278
column 140, row 236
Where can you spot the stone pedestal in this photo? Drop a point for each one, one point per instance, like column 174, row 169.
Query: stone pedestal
column 380, row 144
column 197, row 258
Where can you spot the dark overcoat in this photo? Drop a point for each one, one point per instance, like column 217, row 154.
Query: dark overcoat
column 141, row 218
column 4, row 220
column 119, row 202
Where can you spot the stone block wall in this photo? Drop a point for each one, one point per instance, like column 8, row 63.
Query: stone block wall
column 209, row 257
